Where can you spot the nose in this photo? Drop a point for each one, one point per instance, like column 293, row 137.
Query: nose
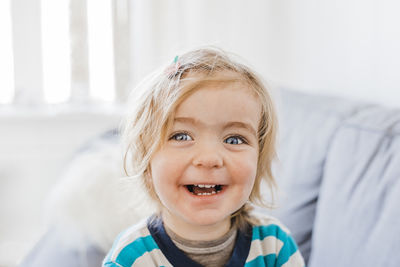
column 208, row 156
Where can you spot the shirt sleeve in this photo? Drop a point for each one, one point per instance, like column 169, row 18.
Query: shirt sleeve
column 289, row 255
column 111, row 264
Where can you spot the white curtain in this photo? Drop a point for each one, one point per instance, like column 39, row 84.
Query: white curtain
column 161, row 29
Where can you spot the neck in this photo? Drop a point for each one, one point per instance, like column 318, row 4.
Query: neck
column 195, row 232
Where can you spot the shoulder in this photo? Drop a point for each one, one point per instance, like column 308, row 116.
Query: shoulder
column 263, row 218
column 269, row 229
column 130, row 245
column 271, row 241
column 266, row 225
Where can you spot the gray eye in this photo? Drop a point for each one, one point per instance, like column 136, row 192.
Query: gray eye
column 181, row 137
column 234, row 140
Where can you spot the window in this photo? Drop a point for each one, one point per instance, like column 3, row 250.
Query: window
column 6, row 55
column 66, row 51
column 56, row 51
column 101, row 56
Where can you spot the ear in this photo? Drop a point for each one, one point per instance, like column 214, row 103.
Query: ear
column 148, row 180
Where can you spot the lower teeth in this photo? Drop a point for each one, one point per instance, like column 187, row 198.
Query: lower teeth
column 218, row 189
column 205, row 194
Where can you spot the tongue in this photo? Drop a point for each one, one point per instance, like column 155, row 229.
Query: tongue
column 198, row 190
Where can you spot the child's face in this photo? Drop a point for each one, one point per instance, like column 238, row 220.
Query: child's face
column 213, row 143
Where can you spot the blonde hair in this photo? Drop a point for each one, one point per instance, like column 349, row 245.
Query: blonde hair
column 154, row 102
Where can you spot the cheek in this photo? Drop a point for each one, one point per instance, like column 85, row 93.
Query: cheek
column 165, row 168
column 246, row 170
column 159, row 175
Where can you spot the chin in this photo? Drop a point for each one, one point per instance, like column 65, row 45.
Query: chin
column 206, row 221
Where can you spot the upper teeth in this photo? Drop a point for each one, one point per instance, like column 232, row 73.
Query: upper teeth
column 205, row 185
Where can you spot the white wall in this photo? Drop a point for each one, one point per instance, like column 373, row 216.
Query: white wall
column 346, row 47
column 349, row 48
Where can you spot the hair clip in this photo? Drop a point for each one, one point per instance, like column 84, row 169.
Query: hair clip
column 172, row 70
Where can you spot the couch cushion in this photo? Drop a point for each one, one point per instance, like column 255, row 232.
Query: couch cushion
column 307, row 124
column 51, row 251
column 358, row 214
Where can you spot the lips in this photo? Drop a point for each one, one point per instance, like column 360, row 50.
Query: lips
column 204, row 189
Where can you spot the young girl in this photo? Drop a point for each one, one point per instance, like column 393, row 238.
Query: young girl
column 202, row 138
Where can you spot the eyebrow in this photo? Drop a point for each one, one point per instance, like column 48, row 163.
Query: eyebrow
column 239, row 124
column 231, row 124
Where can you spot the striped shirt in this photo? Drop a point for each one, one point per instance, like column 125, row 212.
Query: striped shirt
column 147, row 244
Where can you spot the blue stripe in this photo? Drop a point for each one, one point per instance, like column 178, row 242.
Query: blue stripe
column 289, row 246
column 110, row 264
column 288, row 249
column 130, row 253
column 115, row 244
column 263, row 231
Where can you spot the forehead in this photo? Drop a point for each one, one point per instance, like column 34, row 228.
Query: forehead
column 194, row 81
column 221, row 101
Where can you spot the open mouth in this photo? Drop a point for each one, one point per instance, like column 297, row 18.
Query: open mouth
column 204, row 189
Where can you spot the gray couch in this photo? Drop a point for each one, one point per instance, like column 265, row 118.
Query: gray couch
column 339, row 179
column 340, row 170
